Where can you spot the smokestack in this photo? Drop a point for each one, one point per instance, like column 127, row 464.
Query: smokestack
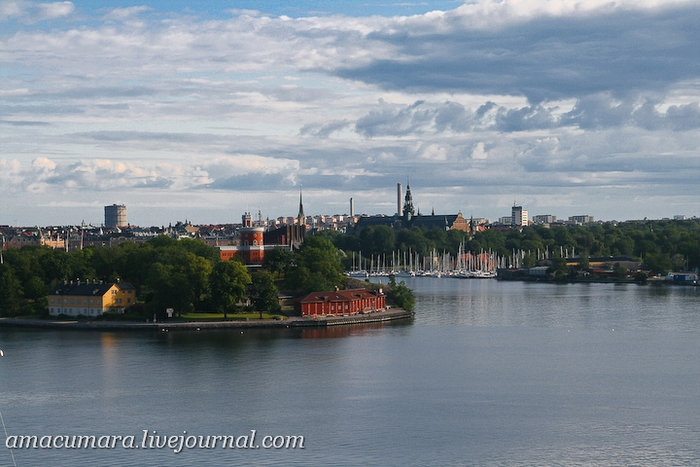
column 398, row 199
column 352, row 207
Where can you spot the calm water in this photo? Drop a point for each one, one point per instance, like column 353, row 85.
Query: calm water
column 488, row 373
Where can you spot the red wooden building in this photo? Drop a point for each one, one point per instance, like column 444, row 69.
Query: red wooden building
column 342, row 302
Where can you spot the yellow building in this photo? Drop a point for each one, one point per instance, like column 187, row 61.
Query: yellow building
column 91, row 298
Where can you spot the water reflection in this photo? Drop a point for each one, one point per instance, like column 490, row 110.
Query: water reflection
column 527, row 304
column 488, row 373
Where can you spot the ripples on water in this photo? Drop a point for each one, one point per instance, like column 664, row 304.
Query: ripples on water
column 488, row 373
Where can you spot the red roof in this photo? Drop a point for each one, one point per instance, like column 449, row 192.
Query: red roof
column 340, row 296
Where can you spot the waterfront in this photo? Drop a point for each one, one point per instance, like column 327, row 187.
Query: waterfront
column 499, row 373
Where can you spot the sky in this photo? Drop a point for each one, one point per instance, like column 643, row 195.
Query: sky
column 184, row 111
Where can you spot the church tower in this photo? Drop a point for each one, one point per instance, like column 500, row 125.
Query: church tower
column 408, row 210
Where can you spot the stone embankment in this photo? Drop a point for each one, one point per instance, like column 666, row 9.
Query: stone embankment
column 292, row 322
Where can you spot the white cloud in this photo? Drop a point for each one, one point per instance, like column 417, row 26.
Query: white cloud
column 32, row 12
column 433, row 152
column 54, row 10
column 479, row 152
column 123, row 14
column 42, row 163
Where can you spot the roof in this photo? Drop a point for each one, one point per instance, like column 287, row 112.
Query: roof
column 339, row 296
column 437, row 221
column 90, row 289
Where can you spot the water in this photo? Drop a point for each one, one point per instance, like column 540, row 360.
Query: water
column 488, row 373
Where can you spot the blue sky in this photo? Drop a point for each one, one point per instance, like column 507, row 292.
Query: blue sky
column 180, row 112
column 289, row 8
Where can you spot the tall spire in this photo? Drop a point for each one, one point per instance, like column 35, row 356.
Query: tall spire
column 301, row 218
column 408, row 209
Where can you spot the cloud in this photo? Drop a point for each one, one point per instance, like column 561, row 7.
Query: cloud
column 395, row 120
column 10, row 172
column 589, row 112
column 324, row 130
column 123, row 14
column 578, row 51
column 43, row 164
column 32, row 12
column 54, row 10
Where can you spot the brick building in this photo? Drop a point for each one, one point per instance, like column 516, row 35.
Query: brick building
column 342, row 302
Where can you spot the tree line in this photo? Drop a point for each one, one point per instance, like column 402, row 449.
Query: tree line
column 186, row 275
column 662, row 245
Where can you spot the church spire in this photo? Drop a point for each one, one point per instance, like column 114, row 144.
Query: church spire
column 301, row 218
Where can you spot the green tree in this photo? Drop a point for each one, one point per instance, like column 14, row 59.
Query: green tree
column 10, row 291
column 178, row 279
column 528, row 261
column 317, row 267
column 400, row 295
column 559, row 268
column 490, row 239
column 278, row 261
column 584, row 260
column 377, row 240
column 264, row 292
column 619, row 271
column 229, row 285
column 657, row 263
column 414, row 240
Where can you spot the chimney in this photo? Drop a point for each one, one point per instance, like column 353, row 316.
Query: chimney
column 398, row 199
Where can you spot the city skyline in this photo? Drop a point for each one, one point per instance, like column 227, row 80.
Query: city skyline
column 205, row 112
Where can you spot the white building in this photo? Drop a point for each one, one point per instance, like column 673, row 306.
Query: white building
column 581, row 219
column 544, row 219
column 518, row 216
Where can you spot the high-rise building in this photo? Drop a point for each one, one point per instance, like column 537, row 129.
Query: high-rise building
column 518, row 216
column 115, row 215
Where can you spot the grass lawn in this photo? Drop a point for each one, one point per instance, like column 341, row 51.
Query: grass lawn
column 230, row 316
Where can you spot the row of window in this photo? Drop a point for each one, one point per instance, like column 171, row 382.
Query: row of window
column 85, row 301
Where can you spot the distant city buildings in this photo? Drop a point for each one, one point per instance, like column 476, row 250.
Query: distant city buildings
column 254, row 235
column 544, row 219
column 581, row 219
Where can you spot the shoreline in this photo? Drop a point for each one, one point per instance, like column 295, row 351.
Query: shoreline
column 393, row 314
